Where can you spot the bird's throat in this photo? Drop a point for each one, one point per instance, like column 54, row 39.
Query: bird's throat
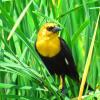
column 48, row 47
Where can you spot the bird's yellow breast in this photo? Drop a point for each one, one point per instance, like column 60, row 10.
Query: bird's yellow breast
column 48, row 46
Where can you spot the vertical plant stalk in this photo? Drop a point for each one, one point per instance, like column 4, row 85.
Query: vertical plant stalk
column 87, row 65
column 19, row 20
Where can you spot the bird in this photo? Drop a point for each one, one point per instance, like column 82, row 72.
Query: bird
column 55, row 53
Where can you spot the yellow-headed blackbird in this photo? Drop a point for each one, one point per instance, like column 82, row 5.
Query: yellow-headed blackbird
column 55, row 53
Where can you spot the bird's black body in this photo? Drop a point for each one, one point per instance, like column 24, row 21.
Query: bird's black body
column 63, row 63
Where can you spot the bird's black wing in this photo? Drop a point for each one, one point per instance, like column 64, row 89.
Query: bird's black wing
column 71, row 68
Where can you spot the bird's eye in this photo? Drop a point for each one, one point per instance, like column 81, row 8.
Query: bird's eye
column 50, row 28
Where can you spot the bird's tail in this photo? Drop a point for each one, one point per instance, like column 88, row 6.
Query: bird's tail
column 89, row 87
column 86, row 84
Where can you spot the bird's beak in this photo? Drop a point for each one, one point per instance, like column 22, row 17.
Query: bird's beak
column 56, row 29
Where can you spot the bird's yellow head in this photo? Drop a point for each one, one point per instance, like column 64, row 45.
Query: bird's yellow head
column 49, row 29
column 48, row 43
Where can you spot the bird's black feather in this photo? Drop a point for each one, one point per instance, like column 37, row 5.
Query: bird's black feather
column 58, row 65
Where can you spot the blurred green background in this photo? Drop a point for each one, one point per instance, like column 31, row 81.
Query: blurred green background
column 22, row 74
